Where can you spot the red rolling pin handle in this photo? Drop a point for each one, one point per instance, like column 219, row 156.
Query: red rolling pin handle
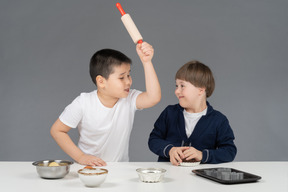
column 118, row 5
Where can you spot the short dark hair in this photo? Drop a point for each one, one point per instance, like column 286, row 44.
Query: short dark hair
column 103, row 62
column 198, row 75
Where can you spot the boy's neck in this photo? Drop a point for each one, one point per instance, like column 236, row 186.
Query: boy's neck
column 107, row 100
column 197, row 108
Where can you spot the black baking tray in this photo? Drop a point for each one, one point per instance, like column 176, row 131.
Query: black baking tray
column 247, row 177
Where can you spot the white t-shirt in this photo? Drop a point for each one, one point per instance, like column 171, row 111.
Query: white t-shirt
column 104, row 132
column 191, row 119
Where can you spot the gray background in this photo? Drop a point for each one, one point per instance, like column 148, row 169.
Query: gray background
column 45, row 48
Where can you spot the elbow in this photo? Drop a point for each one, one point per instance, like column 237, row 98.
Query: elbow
column 155, row 102
column 52, row 132
column 157, row 99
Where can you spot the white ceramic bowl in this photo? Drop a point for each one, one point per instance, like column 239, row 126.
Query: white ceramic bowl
column 190, row 164
column 151, row 175
column 92, row 177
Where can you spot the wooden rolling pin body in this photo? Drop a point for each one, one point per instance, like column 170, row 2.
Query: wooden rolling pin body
column 131, row 28
column 130, row 25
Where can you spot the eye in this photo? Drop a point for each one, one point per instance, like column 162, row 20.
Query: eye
column 121, row 78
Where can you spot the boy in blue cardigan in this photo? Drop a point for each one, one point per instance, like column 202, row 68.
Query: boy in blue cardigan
column 192, row 129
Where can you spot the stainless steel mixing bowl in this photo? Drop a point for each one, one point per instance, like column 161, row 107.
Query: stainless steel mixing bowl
column 52, row 172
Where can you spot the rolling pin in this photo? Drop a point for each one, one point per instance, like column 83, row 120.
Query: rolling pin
column 130, row 25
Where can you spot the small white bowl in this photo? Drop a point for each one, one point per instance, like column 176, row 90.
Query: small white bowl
column 151, row 175
column 92, row 177
column 190, row 164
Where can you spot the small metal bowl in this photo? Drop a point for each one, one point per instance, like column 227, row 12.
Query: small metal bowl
column 61, row 169
column 151, row 175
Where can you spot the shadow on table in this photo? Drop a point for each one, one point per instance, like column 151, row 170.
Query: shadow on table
column 81, row 185
column 165, row 180
column 31, row 175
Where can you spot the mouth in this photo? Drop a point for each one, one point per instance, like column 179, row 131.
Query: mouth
column 180, row 97
column 127, row 90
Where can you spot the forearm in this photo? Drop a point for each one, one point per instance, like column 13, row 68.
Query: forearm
column 67, row 145
column 226, row 150
column 160, row 147
column 153, row 90
column 220, row 155
column 158, row 144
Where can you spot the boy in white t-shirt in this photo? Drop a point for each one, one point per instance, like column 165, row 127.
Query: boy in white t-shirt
column 105, row 116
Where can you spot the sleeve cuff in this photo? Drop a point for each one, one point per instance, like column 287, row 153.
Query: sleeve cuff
column 167, row 149
column 205, row 156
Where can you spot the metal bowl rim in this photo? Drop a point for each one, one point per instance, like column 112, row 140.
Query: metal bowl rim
column 140, row 170
column 36, row 163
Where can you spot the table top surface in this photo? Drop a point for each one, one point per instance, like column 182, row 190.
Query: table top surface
column 122, row 176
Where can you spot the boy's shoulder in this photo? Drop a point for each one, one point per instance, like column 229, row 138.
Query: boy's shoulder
column 92, row 94
column 89, row 98
column 85, row 97
column 174, row 108
column 88, row 95
column 134, row 92
column 213, row 112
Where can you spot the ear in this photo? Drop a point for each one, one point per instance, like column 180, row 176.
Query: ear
column 202, row 90
column 100, row 81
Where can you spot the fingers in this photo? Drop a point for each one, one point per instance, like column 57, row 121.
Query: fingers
column 145, row 48
column 192, row 153
column 187, row 153
column 177, row 159
column 174, row 162
column 176, row 155
column 92, row 161
column 98, row 162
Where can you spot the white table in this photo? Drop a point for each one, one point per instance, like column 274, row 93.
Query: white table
column 122, row 176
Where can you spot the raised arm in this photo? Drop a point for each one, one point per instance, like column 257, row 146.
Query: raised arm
column 152, row 95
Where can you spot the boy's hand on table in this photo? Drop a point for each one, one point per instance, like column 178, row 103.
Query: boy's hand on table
column 192, row 153
column 91, row 160
column 176, row 155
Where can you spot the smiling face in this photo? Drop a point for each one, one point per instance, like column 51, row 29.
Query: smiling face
column 118, row 83
column 191, row 98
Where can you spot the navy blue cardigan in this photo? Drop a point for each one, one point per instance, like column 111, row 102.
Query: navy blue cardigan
column 212, row 135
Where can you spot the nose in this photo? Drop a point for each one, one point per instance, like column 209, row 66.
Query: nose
column 128, row 81
column 177, row 91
